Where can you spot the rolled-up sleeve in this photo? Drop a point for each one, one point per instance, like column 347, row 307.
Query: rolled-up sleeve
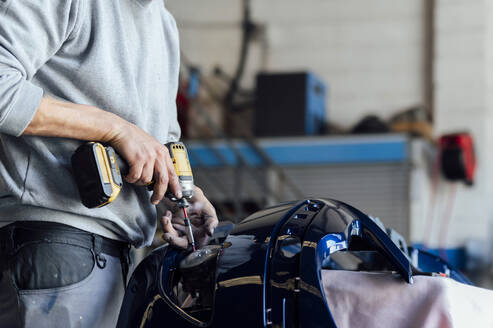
column 31, row 32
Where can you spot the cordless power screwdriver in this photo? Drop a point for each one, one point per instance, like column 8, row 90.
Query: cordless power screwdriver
column 98, row 171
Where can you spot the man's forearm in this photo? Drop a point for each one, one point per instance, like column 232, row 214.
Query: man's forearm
column 148, row 158
column 55, row 118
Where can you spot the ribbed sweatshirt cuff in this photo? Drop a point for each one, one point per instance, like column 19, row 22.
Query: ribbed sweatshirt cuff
column 22, row 111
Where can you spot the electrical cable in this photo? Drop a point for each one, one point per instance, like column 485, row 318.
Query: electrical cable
column 247, row 27
column 430, row 217
column 447, row 217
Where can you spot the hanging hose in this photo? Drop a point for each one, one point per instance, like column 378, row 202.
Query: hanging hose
column 248, row 27
column 430, row 217
column 447, row 217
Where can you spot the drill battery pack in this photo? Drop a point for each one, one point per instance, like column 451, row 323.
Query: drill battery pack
column 97, row 174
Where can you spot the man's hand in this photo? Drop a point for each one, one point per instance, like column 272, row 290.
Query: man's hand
column 148, row 161
column 202, row 216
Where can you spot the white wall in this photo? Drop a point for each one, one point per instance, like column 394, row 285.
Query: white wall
column 371, row 55
column 369, row 52
column 463, row 95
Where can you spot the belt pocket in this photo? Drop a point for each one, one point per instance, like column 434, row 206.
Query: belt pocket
column 48, row 266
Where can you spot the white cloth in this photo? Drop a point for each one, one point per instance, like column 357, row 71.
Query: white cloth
column 362, row 299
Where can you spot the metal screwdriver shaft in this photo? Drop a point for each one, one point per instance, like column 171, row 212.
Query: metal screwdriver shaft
column 188, row 225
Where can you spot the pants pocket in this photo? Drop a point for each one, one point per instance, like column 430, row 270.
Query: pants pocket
column 47, row 266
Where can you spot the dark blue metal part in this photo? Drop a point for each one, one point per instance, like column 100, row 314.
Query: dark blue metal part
column 282, row 281
column 427, row 263
column 365, row 228
column 267, row 302
column 268, row 272
column 313, row 309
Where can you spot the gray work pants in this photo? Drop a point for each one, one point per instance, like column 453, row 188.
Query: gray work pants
column 89, row 294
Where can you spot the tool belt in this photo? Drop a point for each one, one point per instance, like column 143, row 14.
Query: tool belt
column 19, row 234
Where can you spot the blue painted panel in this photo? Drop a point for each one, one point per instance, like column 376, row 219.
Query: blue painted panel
column 250, row 155
column 333, row 154
column 457, row 257
column 228, row 154
column 306, row 152
column 316, row 95
column 200, row 155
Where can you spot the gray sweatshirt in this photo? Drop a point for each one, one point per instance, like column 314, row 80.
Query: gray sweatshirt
column 119, row 55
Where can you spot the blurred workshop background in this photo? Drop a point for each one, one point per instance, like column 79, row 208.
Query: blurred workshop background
column 384, row 104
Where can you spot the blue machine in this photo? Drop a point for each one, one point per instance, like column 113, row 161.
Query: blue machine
column 297, row 99
column 267, row 271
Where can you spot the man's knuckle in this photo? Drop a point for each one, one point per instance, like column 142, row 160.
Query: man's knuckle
column 139, row 156
column 172, row 173
column 162, row 151
column 151, row 155
column 163, row 179
column 145, row 154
